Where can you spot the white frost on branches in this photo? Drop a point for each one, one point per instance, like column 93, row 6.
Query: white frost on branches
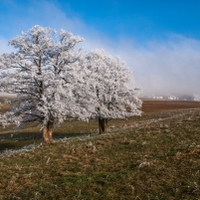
column 53, row 80
column 43, row 74
column 109, row 85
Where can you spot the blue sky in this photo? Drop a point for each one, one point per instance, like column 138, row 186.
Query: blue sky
column 158, row 39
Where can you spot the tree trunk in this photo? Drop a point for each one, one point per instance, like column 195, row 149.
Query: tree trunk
column 47, row 133
column 103, row 125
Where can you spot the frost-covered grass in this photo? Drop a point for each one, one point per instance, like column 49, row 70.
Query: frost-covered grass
column 16, row 139
column 156, row 156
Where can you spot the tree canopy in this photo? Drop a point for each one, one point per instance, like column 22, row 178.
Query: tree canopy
column 112, row 96
column 53, row 79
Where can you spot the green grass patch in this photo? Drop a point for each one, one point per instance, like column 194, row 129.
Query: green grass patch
column 156, row 156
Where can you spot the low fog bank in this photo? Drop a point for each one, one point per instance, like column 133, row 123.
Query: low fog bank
column 166, row 68
column 169, row 68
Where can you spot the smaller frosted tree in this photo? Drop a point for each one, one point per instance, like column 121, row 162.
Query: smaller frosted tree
column 45, row 73
column 112, row 96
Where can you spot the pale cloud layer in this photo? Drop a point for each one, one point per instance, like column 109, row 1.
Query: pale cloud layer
column 170, row 66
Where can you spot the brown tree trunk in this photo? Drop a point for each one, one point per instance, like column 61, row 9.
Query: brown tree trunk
column 47, row 133
column 102, row 125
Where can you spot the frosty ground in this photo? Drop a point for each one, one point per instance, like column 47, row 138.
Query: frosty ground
column 156, row 156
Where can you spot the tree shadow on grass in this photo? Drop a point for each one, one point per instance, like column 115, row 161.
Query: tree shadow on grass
column 6, row 146
column 15, row 141
column 14, row 144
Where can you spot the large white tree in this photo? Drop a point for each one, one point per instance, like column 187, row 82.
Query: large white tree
column 45, row 73
column 110, row 90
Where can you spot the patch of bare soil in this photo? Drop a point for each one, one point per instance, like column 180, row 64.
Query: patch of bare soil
column 150, row 106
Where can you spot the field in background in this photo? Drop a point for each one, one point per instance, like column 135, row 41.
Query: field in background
column 156, row 156
column 12, row 138
column 164, row 106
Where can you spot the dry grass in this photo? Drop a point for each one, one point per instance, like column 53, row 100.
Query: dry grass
column 156, row 156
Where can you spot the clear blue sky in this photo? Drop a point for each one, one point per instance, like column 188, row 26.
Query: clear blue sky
column 159, row 39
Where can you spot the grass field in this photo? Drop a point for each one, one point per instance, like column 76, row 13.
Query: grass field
column 156, row 156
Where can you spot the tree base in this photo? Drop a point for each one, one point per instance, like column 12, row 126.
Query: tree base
column 103, row 123
column 46, row 143
column 47, row 135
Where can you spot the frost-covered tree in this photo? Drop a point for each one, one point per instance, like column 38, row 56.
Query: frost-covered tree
column 110, row 88
column 46, row 75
